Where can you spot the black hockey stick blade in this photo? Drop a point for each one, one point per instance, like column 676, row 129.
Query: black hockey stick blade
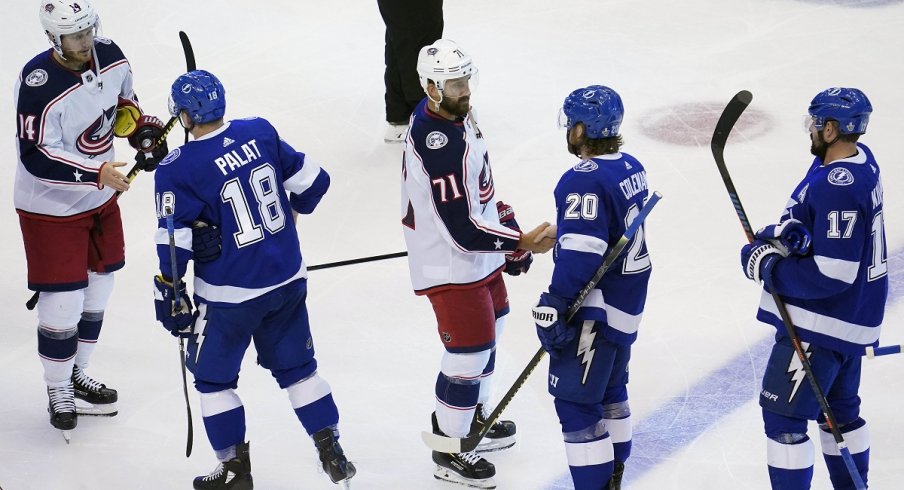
column 446, row 444
column 188, row 51
column 727, row 120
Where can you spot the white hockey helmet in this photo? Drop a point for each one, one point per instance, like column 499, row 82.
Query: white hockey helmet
column 441, row 61
column 59, row 17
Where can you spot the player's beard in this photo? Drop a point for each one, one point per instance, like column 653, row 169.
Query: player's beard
column 818, row 146
column 457, row 106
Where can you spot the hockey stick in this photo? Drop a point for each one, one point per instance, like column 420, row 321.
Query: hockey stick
column 445, row 444
column 727, row 120
column 340, row 263
column 190, row 65
column 873, row 352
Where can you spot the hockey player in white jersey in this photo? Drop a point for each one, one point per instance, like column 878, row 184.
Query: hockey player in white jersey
column 460, row 240
column 241, row 178
column 827, row 260
column 70, row 102
column 596, row 200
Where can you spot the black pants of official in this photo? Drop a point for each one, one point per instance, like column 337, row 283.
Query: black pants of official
column 410, row 25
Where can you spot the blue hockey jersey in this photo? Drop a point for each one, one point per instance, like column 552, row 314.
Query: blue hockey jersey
column 836, row 294
column 595, row 201
column 237, row 178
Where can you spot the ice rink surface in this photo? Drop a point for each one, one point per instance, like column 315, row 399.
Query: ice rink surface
column 314, row 69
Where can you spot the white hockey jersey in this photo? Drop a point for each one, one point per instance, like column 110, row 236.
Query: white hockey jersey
column 65, row 131
column 449, row 216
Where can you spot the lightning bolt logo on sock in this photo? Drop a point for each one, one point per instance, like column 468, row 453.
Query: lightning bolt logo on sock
column 585, row 347
column 796, row 368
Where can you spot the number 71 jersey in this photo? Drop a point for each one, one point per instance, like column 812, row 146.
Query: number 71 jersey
column 595, row 201
column 237, row 178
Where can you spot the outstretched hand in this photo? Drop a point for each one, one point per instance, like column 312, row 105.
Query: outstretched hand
column 539, row 240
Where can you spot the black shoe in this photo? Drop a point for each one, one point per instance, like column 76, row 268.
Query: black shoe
column 234, row 474
column 468, row 469
column 617, row 474
column 500, row 436
column 61, row 407
column 100, row 399
column 331, row 456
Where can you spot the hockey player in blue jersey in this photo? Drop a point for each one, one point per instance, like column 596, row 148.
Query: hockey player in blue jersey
column 826, row 258
column 68, row 101
column 588, row 371
column 240, row 178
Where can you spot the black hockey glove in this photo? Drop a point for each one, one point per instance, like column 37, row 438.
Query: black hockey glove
column 206, row 242
column 144, row 139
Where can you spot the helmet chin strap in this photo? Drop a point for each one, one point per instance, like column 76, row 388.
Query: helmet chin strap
column 436, row 103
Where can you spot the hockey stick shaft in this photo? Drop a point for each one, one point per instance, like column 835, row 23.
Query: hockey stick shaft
column 357, row 261
column 190, row 64
column 727, row 120
column 466, row 444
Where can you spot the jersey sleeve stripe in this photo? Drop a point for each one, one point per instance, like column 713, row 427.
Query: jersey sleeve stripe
column 303, row 179
column 583, row 243
column 842, row 270
column 182, row 235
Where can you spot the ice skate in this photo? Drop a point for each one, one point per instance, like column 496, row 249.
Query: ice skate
column 396, row 132
column 617, row 474
column 468, row 469
column 335, row 464
column 500, row 436
column 61, row 407
column 234, row 474
column 92, row 397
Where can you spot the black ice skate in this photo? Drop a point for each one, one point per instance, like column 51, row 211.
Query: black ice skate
column 61, row 407
column 617, row 474
column 94, row 397
column 468, row 469
column 332, row 458
column 500, row 436
column 234, row 474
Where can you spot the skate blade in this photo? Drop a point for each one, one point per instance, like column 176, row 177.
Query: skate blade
column 490, row 445
column 100, row 410
column 445, row 474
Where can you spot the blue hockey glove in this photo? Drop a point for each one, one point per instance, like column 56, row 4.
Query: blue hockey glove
column 178, row 323
column 791, row 234
column 549, row 317
column 520, row 260
column 206, row 242
column 758, row 259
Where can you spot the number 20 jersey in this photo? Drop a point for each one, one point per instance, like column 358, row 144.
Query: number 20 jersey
column 236, row 178
column 836, row 294
column 595, row 201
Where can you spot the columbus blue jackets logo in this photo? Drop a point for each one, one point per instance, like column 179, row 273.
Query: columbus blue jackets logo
column 487, row 191
column 841, row 176
column 98, row 138
column 36, row 78
column 436, row 140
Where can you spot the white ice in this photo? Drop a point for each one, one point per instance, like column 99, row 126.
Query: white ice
column 315, row 70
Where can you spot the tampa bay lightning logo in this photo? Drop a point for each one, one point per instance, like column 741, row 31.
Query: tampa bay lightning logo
column 841, row 176
column 97, row 139
column 586, row 166
column 171, row 157
column 487, row 190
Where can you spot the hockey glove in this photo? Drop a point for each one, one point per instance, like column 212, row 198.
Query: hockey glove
column 791, row 234
column 148, row 130
column 178, row 323
column 549, row 317
column 758, row 259
column 520, row 260
column 206, row 242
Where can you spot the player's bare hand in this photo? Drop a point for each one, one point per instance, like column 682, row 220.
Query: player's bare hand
column 538, row 240
column 113, row 178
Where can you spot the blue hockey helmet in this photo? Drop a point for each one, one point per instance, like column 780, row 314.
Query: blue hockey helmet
column 598, row 107
column 200, row 94
column 848, row 106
